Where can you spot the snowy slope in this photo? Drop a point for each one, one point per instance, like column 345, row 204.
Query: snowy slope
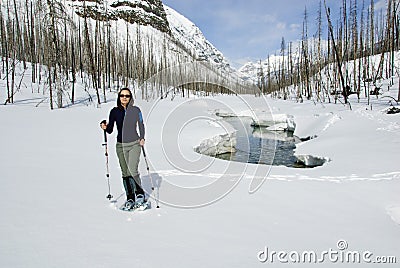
column 190, row 36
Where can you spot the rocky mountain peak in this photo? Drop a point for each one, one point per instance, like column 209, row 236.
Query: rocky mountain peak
column 143, row 12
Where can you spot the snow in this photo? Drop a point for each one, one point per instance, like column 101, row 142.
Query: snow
column 214, row 213
column 394, row 213
column 54, row 211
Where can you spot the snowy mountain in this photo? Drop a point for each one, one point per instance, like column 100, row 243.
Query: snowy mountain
column 191, row 37
column 250, row 70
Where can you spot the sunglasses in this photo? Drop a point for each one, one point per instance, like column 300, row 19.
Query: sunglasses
column 124, row 96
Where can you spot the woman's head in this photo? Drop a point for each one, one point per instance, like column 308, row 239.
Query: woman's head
column 124, row 97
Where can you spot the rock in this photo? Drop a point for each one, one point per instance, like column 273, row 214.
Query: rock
column 143, row 12
column 311, row 161
column 393, row 110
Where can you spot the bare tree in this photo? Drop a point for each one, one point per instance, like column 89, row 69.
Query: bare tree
column 338, row 59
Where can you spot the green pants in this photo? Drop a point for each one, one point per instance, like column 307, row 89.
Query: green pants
column 129, row 156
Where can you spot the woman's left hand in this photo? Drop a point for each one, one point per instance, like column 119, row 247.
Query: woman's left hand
column 141, row 142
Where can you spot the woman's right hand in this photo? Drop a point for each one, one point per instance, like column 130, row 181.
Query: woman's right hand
column 103, row 125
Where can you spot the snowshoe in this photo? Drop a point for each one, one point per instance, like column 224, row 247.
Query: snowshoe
column 141, row 204
column 139, row 200
column 128, row 206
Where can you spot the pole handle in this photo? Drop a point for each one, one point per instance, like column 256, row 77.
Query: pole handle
column 105, row 137
column 105, row 132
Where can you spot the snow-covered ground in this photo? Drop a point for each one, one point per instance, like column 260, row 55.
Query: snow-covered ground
column 213, row 213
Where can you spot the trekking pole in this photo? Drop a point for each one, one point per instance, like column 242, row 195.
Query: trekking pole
column 148, row 172
column 109, row 196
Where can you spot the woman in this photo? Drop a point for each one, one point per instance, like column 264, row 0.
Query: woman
column 128, row 117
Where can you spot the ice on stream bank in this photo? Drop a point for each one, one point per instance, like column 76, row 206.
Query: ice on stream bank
column 220, row 144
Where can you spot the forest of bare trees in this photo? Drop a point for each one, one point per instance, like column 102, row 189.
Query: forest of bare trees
column 62, row 48
column 342, row 65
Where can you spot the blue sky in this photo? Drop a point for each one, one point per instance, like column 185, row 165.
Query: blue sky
column 246, row 30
